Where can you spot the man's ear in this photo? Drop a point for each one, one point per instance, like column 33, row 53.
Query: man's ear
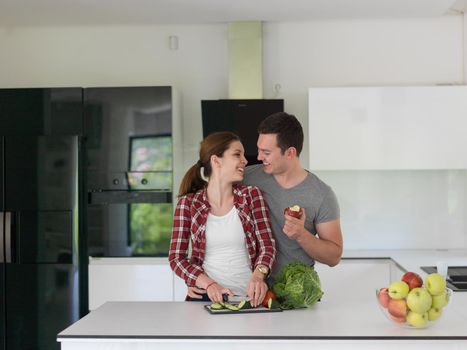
column 291, row 152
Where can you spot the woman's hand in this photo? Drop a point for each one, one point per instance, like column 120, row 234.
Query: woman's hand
column 215, row 291
column 194, row 292
column 257, row 289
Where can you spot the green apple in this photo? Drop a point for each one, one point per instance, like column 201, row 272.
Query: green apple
column 419, row 300
column 435, row 283
column 398, row 290
column 434, row 313
column 440, row 300
column 417, row 319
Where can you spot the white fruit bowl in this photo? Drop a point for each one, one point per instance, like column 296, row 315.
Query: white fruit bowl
column 416, row 318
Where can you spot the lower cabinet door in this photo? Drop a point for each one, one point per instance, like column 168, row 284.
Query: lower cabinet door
column 353, row 279
column 129, row 279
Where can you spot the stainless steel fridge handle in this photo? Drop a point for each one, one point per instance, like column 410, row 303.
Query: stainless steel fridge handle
column 7, row 230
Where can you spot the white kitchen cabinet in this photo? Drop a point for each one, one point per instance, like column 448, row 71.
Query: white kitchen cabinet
column 129, row 279
column 354, row 278
column 381, row 128
column 180, row 289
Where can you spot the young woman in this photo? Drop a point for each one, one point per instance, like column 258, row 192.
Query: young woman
column 232, row 249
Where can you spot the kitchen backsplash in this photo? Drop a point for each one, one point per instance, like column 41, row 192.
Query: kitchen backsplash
column 401, row 209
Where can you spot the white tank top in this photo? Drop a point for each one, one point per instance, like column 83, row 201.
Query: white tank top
column 226, row 258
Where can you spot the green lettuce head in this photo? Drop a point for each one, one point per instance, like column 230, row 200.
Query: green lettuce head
column 297, row 285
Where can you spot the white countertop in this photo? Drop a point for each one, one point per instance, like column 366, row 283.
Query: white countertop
column 411, row 260
column 328, row 319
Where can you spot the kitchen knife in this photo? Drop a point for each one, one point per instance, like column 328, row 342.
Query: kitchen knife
column 234, row 299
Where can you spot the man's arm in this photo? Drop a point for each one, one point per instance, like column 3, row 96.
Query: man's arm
column 325, row 247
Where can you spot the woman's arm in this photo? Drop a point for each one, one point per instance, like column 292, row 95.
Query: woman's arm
column 266, row 247
column 263, row 233
column 181, row 233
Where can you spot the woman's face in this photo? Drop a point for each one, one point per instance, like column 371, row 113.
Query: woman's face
column 232, row 163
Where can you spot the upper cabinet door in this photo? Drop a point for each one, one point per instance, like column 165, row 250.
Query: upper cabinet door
column 50, row 111
column 383, row 128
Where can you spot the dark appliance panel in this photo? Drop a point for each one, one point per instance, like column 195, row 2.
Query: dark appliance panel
column 129, row 170
column 39, row 186
column 38, row 111
column 115, row 120
column 2, row 283
column 129, row 229
column 42, row 172
column 241, row 117
column 42, row 300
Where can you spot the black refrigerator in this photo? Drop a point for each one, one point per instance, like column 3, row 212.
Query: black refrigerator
column 39, row 215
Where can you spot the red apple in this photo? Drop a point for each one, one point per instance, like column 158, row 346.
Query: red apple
column 269, row 295
column 383, row 297
column 412, row 279
column 294, row 211
column 401, row 319
column 397, row 307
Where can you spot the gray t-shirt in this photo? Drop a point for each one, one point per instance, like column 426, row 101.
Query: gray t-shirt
column 312, row 194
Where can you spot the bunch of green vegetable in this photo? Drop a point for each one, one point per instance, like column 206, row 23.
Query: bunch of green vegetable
column 297, row 285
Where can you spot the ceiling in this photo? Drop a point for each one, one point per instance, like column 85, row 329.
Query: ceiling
column 149, row 12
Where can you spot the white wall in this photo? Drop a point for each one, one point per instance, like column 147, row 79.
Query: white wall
column 296, row 55
column 122, row 56
column 359, row 53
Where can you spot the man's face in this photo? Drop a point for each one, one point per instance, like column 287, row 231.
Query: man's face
column 274, row 162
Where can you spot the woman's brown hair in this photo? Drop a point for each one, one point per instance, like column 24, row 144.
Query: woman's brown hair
column 213, row 144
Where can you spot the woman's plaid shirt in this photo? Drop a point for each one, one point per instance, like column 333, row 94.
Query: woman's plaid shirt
column 189, row 222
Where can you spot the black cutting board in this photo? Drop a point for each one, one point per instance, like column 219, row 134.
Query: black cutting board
column 258, row 309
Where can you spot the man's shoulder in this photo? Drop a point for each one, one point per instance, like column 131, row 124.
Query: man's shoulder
column 314, row 181
column 253, row 174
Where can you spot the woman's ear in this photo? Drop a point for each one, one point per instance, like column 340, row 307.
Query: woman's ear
column 215, row 161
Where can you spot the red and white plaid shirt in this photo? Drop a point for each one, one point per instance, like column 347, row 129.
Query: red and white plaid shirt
column 189, row 222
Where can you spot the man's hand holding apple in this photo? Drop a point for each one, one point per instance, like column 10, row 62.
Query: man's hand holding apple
column 294, row 227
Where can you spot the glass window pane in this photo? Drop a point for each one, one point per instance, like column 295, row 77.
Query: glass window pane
column 151, row 228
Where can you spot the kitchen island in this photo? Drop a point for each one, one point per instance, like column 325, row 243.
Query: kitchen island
column 338, row 324
column 347, row 320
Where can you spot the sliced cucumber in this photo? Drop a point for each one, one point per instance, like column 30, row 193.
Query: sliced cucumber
column 273, row 304
column 231, row 307
column 244, row 304
column 217, row 306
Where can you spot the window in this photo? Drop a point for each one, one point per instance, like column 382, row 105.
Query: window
column 150, row 224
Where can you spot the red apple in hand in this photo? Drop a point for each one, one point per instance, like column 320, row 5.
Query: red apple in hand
column 412, row 279
column 383, row 297
column 294, row 211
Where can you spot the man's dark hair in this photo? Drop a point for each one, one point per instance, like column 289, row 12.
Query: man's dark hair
column 288, row 129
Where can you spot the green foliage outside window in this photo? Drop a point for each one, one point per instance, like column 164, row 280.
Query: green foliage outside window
column 151, row 223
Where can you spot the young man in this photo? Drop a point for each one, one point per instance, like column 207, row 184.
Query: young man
column 316, row 235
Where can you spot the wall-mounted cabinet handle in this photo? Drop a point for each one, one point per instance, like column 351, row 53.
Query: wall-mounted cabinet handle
column 7, row 230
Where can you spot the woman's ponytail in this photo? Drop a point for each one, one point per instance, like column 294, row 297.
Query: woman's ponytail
column 214, row 144
column 192, row 181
